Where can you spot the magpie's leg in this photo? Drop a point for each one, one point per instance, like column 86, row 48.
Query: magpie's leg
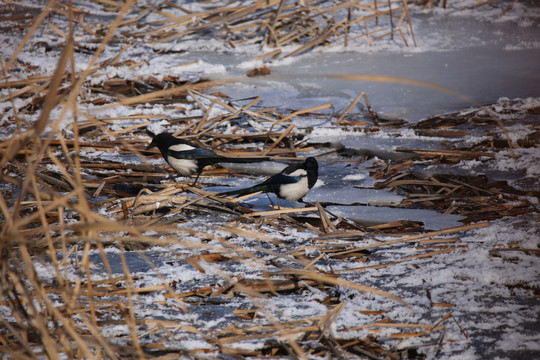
column 197, row 178
column 269, row 199
column 306, row 203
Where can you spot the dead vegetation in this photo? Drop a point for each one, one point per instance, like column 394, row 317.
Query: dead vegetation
column 73, row 190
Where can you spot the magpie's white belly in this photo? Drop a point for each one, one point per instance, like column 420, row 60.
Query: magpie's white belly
column 184, row 167
column 295, row 191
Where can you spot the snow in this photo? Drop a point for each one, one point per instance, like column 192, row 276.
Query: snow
column 476, row 51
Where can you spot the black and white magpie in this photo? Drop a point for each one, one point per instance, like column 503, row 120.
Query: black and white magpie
column 187, row 158
column 291, row 184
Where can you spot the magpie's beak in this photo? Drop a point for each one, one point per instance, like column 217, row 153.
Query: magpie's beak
column 152, row 144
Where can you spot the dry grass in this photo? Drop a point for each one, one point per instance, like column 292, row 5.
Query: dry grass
column 50, row 217
column 278, row 24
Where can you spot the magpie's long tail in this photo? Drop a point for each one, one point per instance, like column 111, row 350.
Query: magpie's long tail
column 246, row 191
column 243, row 160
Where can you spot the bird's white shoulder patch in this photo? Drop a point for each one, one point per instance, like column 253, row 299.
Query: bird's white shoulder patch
column 181, row 147
column 298, row 172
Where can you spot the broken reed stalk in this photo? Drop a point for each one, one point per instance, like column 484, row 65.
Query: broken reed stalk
column 400, row 80
column 372, row 114
column 307, row 24
column 67, row 329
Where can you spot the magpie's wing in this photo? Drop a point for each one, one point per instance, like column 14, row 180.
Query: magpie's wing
column 193, row 154
column 186, row 142
column 292, row 168
column 281, row 179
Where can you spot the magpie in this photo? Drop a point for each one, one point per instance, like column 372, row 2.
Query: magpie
column 187, row 158
column 291, row 184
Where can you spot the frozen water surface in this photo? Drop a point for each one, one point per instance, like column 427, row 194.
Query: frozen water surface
column 481, row 74
column 369, row 216
column 386, row 148
column 480, row 60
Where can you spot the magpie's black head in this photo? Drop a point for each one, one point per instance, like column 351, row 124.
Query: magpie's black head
column 312, row 168
column 162, row 141
column 311, row 164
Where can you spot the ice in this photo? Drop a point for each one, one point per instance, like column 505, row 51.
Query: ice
column 386, row 148
column 481, row 75
column 470, row 57
column 349, row 195
column 368, row 216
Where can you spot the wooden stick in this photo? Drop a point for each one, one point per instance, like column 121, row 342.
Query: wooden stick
column 324, row 218
column 285, row 133
column 449, row 152
column 349, row 107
